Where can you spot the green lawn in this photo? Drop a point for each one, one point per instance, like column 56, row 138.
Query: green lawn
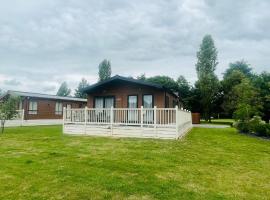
column 41, row 163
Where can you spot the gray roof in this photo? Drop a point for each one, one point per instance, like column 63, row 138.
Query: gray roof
column 43, row 96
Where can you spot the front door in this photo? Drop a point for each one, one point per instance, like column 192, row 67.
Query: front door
column 132, row 112
column 102, row 104
column 148, row 116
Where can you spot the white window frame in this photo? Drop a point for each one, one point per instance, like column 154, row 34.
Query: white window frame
column 32, row 109
column 58, row 108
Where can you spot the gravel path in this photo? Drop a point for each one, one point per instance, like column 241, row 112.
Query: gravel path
column 210, row 126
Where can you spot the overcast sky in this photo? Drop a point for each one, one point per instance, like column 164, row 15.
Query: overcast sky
column 46, row 42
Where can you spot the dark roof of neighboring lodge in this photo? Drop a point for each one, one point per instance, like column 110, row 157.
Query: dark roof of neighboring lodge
column 42, row 96
column 95, row 86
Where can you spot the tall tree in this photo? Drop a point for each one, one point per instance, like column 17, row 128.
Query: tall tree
column 79, row 91
column 104, row 70
column 63, row 90
column 208, row 83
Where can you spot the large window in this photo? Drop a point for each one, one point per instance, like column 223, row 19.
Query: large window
column 104, row 102
column 32, row 107
column 148, row 101
column 58, row 108
column 132, row 101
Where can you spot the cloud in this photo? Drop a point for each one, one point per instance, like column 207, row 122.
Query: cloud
column 12, row 82
column 46, row 42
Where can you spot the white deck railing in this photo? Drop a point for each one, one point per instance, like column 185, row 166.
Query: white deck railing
column 173, row 118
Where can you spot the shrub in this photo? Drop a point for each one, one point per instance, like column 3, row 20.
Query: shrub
column 242, row 126
column 254, row 126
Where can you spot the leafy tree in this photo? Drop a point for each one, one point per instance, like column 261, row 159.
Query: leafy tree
column 141, row 77
column 63, row 90
column 262, row 83
column 208, row 83
column 8, row 110
column 194, row 103
column 79, row 91
column 184, row 89
column 241, row 66
column 248, row 102
column 230, row 80
column 104, row 70
column 166, row 81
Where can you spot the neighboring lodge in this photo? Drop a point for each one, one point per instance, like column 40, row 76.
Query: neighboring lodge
column 44, row 106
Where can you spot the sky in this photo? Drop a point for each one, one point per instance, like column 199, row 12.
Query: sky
column 46, row 42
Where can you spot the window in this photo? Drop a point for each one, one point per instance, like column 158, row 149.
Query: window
column 148, row 101
column 132, row 101
column 58, row 108
column 104, row 102
column 32, row 107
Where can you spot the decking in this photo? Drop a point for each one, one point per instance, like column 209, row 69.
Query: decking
column 163, row 123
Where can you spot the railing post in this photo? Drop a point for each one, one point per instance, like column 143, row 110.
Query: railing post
column 155, row 120
column 64, row 118
column 85, row 119
column 22, row 117
column 111, row 120
column 141, row 116
column 176, row 121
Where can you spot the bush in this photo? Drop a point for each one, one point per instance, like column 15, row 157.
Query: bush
column 254, row 126
column 242, row 126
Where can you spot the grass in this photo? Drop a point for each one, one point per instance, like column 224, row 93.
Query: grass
column 219, row 122
column 41, row 163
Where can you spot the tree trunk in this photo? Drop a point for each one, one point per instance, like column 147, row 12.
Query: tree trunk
column 2, row 126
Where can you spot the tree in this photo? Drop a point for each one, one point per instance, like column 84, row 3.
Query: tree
column 8, row 110
column 248, row 102
column 104, row 70
column 79, row 91
column 166, row 81
column 241, row 66
column 262, row 83
column 208, row 83
column 63, row 90
column 184, row 89
column 230, row 80
column 141, row 77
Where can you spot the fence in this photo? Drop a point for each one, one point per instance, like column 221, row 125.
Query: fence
column 128, row 122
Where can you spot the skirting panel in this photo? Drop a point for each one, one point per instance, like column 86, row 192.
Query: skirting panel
column 123, row 131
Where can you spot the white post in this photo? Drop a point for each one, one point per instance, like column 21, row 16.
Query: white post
column 64, row 118
column 176, row 121
column 111, row 117
column 155, row 120
column 22, row 117
column 141, row 116
column 85, row 119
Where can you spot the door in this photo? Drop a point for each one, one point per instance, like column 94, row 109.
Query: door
column 148, row 115
column 133, row 105
column 102, row 104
